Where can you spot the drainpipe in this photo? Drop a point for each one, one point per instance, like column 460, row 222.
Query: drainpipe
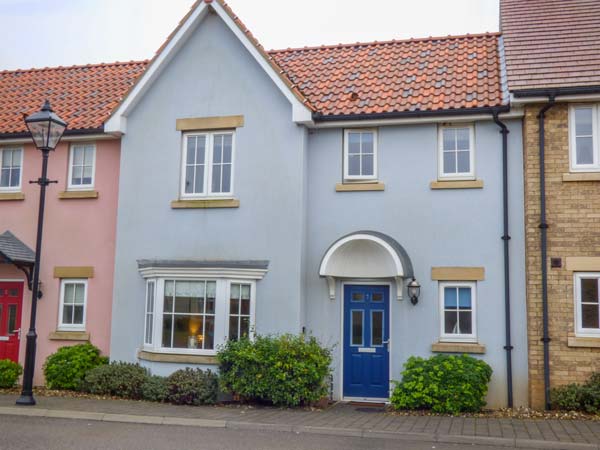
column 544, row 248
column 506, row 238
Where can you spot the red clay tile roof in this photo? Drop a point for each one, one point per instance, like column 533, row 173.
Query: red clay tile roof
column 453, row 72
column 84, row 96
column 551, row 43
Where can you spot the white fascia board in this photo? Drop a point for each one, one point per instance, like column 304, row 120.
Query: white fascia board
column 202, row 272
column 514, row 113
column 117, row 122
column 76, row 138
column 300, row 113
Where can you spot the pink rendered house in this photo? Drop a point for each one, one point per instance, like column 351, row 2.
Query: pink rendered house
column 77, row 260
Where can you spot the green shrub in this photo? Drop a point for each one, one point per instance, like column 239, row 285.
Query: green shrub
column 578, row 397
column 155, row 389
column 284, row 370
column 118, row 379
column 9, row 373
column 192, row 387
column 443, row 384
column 66, row 368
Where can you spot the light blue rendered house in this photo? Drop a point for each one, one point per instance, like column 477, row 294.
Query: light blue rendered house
column 304, row 191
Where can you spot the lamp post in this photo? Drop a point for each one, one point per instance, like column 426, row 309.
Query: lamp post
column 46, row 129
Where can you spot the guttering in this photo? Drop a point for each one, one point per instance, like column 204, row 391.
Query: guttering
column 506, row 238
column 555, row 92
column 70, row 135
column 318, row 117
column 544, row 246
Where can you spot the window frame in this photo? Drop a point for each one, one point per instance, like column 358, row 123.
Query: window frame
column 147, row 313
column 472, row 148
column 449, row 337
column 251, row 325
column 208, row 163
column 19, row 187
column 595, row 166
column 81, row 187
column 72, row 327
column 222, row 298
column 579, row 330
column 361, row 178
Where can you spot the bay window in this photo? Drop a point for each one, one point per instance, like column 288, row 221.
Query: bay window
column 196, row 315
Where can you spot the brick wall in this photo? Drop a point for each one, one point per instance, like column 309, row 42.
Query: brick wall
column 573, row 216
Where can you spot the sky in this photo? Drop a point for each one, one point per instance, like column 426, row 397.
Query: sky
column 42, row 33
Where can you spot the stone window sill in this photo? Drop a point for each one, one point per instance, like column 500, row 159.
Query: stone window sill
column 457, row 184
column 11, row 196
column 206, row 203
column 74, row 195
column 581, row 176
column 359, row 187
column 458, row 347
column 584, row 342
column 176, row 358
column 69, row 336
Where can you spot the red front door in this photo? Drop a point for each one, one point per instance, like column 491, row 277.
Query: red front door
column 11, row 301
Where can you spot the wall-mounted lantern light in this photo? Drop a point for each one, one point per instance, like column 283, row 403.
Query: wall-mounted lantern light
column 414, row 290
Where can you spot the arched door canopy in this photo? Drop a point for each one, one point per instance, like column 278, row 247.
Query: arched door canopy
column 366, row 254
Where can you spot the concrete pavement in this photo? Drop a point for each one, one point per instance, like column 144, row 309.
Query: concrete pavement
column 342, row 420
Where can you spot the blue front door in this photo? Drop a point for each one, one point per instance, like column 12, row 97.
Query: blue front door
column 366, row 338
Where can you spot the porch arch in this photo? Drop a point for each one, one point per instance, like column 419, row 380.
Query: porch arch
column 366, row 254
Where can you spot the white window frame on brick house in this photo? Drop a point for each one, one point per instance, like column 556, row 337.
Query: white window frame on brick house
column 595, row 165
column 361, row 177
column 442, row 151
column 62, row 326
column 208, row 164
column 579, row 303
column 12, row 168
column 458, row 337
column 85, row 147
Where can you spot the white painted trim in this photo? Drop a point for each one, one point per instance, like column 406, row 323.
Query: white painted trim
column 88, row 137
column 208, row 162
column 514, row 113
column 177, row 273
column 11, row 280
column 72, row 327
column 148, row 282
column 117, row 122
column 81, row 187
column 579, row 330
column 444, row 337
column 460, row 175
column 22, row 151
column 390, row 335
column 359, row 178
column 595, row 166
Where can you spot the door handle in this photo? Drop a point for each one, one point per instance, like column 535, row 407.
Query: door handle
column 18, row 333
column 385, row 342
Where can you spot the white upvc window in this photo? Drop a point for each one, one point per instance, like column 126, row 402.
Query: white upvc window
column 456, row 154
column 149, row 322
column 197, row 315
column 360, row 155
column 584, row 143
column 73, row 304
column 207, row 164
column 11, row 169
column 82, row 167
column 587, row 304
column 458, row 311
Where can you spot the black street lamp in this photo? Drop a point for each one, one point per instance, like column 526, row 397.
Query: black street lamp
column 46, row 129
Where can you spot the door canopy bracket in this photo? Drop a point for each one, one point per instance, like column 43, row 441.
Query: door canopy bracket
column 366, row 255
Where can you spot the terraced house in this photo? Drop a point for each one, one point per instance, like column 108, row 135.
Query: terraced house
column 79, row 244
column 553, row 62
column 303, row 190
